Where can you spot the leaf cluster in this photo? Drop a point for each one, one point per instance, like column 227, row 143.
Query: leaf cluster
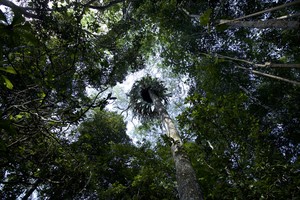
column 140, row 98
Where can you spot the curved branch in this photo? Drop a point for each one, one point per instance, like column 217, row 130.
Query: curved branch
column 22, row 10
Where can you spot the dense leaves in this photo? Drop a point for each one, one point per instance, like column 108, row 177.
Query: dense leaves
column 101, row 164
column 237, row 155
column 48, row 58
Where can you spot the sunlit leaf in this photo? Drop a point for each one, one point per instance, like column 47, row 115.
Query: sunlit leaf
column 19, row 116
column 9, row 69
column 7, row 82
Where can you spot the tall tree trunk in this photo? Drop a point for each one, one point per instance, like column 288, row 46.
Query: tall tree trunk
column 270, row 23
column 188, row 188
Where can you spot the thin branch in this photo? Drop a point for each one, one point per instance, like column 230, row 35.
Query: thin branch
column 267, row 64
column 270, row 23
column 190, row 15
column 285, row 65
column 259, row 65
column 124, row 109
column 86, row 184
column 271, row 76
column 91, row 105
column 208, row 165
column 289, row 16
column 263, row 11
column 17, row 141
column 254, row 99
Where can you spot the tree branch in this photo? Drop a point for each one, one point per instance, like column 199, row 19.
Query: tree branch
column 263, row 11
column 20, row 9
column 110, row 4
column 269, row 23
column 271, row 76
column 267, row 64
column 32, row 189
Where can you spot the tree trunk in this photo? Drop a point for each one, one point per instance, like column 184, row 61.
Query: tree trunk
column 188, row 187
column 271, row 23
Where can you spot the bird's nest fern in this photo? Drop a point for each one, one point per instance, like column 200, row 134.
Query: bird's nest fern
column 140, row 101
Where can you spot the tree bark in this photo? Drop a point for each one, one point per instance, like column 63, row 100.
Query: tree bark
column 187, row 185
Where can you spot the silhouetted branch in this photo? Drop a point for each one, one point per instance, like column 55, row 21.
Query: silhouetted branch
column 22, row 10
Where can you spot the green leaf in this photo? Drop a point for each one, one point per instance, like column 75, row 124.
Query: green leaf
column 7, row 82
column 205, row 17
column 10, row 70
column 19, row 116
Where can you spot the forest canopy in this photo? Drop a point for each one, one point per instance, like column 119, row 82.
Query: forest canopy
column 239, row 122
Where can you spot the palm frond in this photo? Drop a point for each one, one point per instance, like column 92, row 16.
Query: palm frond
column 140, row 100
